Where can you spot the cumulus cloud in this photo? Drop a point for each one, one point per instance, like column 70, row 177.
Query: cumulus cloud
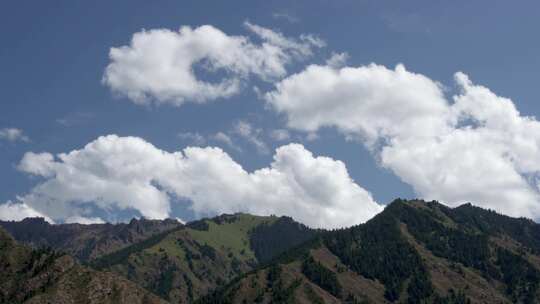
column 18, row 211
column 160, row 65
column 129, row 173
column 370, row 101
column 37, row 164
column 473, row 147
column 13, row 135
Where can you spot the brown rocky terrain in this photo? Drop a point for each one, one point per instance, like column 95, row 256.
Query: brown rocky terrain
column 45, row 276
column 85, row 242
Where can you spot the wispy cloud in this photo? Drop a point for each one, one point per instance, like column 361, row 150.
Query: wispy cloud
column 13, row 135
column 286, row 16
column 280, row 134
column 193, row 138
column 406, row 23
column 75, row 119
column 226, row 139
column 198, row 139
column 252, row 135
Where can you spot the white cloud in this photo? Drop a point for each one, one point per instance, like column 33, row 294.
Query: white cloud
column 476, row 147
column 370, row 101
column 252, row 135
column 13, row 135
column 18, row 211
column 37, row 164
column 84, row 220
column 337, row 60
column 75, row 118
column 286, row 16
column 220, row 137
column 181, row 221
column 129, row 173
column 280, row 134
column 312, row 136
column 300, row 49
column 192, row 137
column 159, row 65
column 226, row 139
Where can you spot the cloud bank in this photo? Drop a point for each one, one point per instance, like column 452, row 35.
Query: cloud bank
column 129, row 173
column 18, row 211
column 472, row 147
column 162, row 66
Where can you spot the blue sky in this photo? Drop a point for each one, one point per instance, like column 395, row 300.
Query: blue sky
column 54, row 56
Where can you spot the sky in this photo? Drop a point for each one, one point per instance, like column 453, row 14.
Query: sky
column 321, row 110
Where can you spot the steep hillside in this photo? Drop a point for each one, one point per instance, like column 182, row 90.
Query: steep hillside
column 43, row 276
column 413, row 252
column 85, row 242
column 184, row 264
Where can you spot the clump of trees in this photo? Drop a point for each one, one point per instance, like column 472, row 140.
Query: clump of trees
column 378, row 250
column 321, row 276
column 453, row 297
column 269, row 240
column 523, row 230
column 468, row 244
column 470, row 249
column 521, row 278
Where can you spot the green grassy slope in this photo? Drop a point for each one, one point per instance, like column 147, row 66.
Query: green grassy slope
column 186, row 263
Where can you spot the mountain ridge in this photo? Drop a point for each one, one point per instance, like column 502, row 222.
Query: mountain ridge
column 412, row 252
column 85, row 242
column 418, row 252
column 42, row 276
column 204, row 254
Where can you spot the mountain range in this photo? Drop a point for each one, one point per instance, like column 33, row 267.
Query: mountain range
column 412, row 252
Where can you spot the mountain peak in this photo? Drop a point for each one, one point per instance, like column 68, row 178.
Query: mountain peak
column 413, row 251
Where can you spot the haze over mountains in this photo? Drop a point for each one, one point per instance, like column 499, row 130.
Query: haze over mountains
column 412, row 252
